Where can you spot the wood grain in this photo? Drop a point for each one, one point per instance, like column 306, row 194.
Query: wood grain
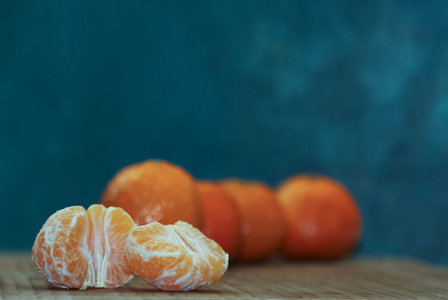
column 349, row 279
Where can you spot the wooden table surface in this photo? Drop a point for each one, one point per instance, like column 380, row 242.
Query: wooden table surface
column 348, row 279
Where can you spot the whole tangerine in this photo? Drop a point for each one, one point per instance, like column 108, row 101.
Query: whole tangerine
column 262, row 226
column 153, row 191
column 323, row 220
column 221, row 216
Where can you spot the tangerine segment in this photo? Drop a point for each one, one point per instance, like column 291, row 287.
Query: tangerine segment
column 78, row 249
column 58, row 252
column 175, row 257
column 153, row 191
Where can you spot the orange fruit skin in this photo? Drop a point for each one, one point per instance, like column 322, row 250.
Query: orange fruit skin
column 221, row 216
column 78, row 249
column 175, row 257
column 155, row 191
column 323, row 219
column 262, row 226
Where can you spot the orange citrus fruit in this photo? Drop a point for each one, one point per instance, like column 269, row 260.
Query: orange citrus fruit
column 155, row 191
column 323, row 219
column 175, row 257
column 78, row 249
column 262, row 227
column 221, row 216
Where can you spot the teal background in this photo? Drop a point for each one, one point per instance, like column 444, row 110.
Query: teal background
column 356, row 90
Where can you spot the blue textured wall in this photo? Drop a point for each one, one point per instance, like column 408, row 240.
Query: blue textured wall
column 356, row 90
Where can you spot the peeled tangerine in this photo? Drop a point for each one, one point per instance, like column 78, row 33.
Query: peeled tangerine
column 175, row 257
column 78, row 249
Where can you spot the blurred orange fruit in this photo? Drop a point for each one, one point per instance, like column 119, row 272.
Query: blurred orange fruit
column 175, row 257
column 78, row 249
column 155, row 191
column 262, row 227
column 221, row 216
column 323, row 220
